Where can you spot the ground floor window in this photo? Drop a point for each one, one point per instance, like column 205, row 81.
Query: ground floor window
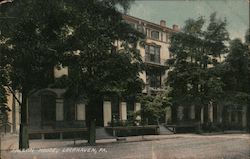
column 115, row 104
column 48, row 104
column 69, row 110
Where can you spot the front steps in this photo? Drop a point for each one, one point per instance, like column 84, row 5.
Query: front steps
column 101, row 133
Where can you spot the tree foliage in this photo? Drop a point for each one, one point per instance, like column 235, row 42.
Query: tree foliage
column 193, row 77
column 100, row 66
column 82, row 35
column 208, row 67
column 247, row 36
column 46, row 33
column 236, row 75
column 154, row 107
column 3, row 82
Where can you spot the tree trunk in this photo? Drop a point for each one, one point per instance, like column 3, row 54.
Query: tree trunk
column 92, row 121
column 92, row 133
column 13, row 114
column 23, row 135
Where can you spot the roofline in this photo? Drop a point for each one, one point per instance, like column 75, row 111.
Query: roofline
column 155, row 24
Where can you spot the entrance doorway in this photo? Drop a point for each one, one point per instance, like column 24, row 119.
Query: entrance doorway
column 48, row 113
column 97, row 110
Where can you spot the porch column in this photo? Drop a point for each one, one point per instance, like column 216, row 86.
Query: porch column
column 80, row 111
column 137, row 109
column 10, row 105
column 180, row 114
column 219, row 114
column 244, row 117
column 18, row 115
column 168, row 118
column 202, row 115
column 210, row 112
column 123, row 111
column 192, row 112
column 59, row 109
column 107, row 113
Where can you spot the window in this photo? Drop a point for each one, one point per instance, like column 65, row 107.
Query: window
column 132, row 25
column 152, row 53
column 115, row 104
column 69, row 110
column 167, row 37
column 48, row 104
column 130, row 106
column 140, row 28
column 155, row 35
column 154, row 78
column 80, row 111
column 147, row 32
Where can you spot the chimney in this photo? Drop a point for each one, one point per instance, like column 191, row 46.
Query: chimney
column 176, row 27
column 163, row 23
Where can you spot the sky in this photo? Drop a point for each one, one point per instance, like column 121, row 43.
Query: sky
column 178, row 11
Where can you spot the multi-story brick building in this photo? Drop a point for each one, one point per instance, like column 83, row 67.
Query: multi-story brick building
column 155, row 52
column 49, row 110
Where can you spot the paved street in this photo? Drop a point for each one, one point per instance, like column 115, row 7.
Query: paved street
column 189, row 146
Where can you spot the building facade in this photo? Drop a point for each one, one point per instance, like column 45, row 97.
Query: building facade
column 49, row 110
column 154, row 53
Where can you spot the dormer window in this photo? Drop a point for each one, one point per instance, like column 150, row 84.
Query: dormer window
column 155, row 35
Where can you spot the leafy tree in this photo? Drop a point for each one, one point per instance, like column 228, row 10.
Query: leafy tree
column 154, row 107
column 236, row 64
column 107, row 60
column 35, row 36
column 3, row 83
column 247, row 36
column 247, row 43
column 80, row 34
column 236, row 75
column 193, row 77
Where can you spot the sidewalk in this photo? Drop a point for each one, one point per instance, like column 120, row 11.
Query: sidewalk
column 10, row 141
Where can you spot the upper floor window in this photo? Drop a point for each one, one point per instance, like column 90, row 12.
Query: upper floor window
column 60, row 71
column 154, row 78
column 140, row 28
column 152, row 53
column 155, row 35
column 132, row 24
column 147, row 32
column 167, row 37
